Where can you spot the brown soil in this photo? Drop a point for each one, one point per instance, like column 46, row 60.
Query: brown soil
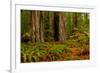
column 83, row 54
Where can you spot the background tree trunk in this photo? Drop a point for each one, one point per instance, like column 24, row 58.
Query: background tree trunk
column 42, row 26
column 51, row 18
column 75, row 19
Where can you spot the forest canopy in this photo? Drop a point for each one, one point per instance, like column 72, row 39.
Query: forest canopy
column 50, row 29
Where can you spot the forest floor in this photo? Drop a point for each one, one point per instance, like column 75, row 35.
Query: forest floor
column 40, row 52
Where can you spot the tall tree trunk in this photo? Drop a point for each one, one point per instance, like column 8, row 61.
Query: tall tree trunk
column 35, row 33
column 56, row 26
column 62, row 30
column 37, row 17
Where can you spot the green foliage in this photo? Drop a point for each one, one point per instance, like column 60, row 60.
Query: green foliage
column 78, row 40
column 36, row 52
column 26, row 35
column 72, row 43
column 80, row 33
column 59, row 49
column 25, row 21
